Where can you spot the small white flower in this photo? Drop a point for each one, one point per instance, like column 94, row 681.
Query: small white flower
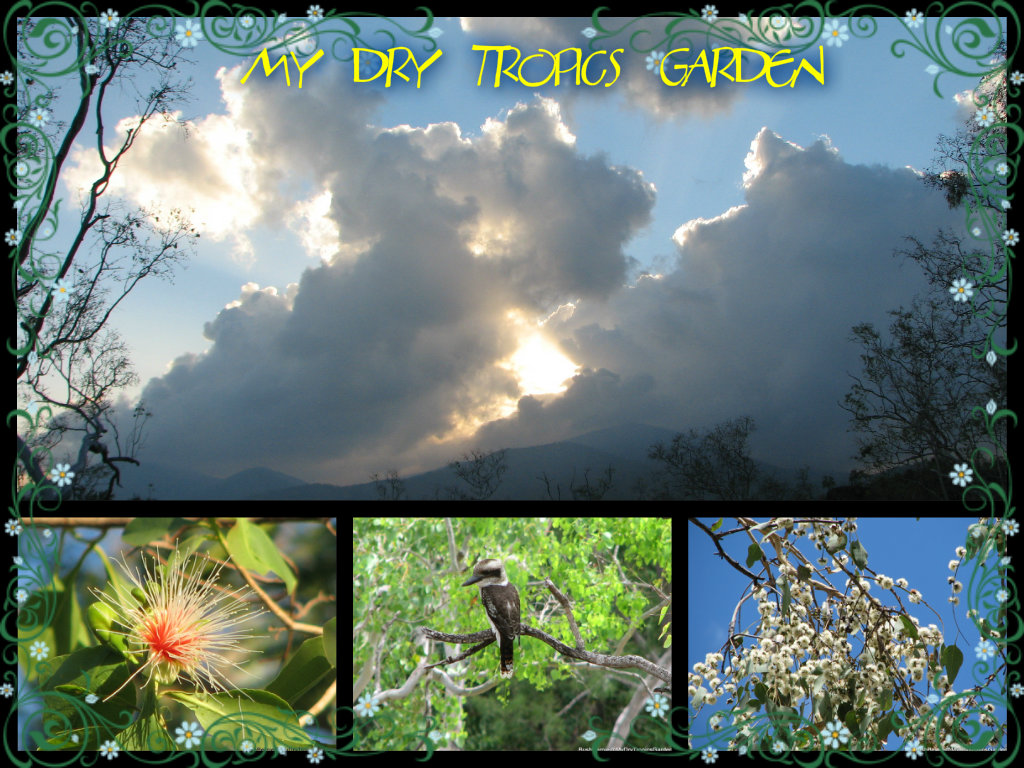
column 13, row 527
column 961, row 475
column 109, row 19
column 21, row 168
column 62, row 475
column 13, row 236
column 991, row 358
column 188, row 33
column 110, row 749
column 21, row 596
column 315, row 13
column 985, row 117
column 39, row 650
column 39, row 116
column 6, row 78
column 1011, row 237
column 6, row 690
column 91, row 69
column 1016, row 78
column 367, row 705
column 654, row 60
column 962, row 289
column 315, row 755
column 61, row 290
column 985, row 650
column 709, row 13
column 435, row 32
column 835, row 33
column 1002, row 169
column 589, row 33
column 246, row 22
column 914, row 19
column 188, row 733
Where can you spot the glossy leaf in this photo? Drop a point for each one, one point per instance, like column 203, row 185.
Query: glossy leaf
column 859, row 554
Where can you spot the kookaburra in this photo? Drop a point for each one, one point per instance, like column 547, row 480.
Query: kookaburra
column 501, row 602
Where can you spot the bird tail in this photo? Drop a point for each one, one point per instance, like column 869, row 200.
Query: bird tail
column 506, row 667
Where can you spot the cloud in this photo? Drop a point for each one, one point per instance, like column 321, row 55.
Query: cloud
column 756, row 316
column 207, row 164
column 393, row 351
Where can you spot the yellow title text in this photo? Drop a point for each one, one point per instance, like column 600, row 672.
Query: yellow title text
column 720, row 66
column 267, row 69
column 566, row 61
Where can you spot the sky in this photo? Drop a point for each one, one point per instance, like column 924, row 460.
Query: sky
column 918, row 550
column 390, row 277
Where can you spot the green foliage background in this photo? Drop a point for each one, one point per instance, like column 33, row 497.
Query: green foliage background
column 404, row 577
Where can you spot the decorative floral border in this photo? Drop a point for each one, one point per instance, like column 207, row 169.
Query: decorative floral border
column 239, row 30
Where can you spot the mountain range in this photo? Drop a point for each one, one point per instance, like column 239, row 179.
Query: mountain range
column 571, row 467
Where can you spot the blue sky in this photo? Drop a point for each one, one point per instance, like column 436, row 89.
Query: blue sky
column 917, row 550
column 390, row 277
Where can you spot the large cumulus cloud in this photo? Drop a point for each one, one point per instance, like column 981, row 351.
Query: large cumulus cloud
column 387, row 353
column 755, row 318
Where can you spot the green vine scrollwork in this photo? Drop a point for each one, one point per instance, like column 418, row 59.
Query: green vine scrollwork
column 248, row 30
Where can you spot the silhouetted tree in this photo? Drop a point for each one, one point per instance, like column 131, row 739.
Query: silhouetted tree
column 70, row 361
column 712, row 465
column 481, row 471
column 589, row 491
column 919, row 401
column 389, row 487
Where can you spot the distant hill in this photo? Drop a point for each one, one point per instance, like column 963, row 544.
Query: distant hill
column 167, row 483
column 568, row 465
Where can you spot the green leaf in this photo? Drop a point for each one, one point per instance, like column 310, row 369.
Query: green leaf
column 754, row 555
column 306, row 676
column 803, row 572
column 251, row 547
column 952, row 659
column 331, row 641
column 859, row 554
column 224, row 716
column 786, row 598
column 717, row 525
column 144, row 530
column 908, row 627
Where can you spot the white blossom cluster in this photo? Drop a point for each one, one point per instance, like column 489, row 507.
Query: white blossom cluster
column 797, row 658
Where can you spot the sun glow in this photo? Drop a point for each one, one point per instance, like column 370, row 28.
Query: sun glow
column 538, row 364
